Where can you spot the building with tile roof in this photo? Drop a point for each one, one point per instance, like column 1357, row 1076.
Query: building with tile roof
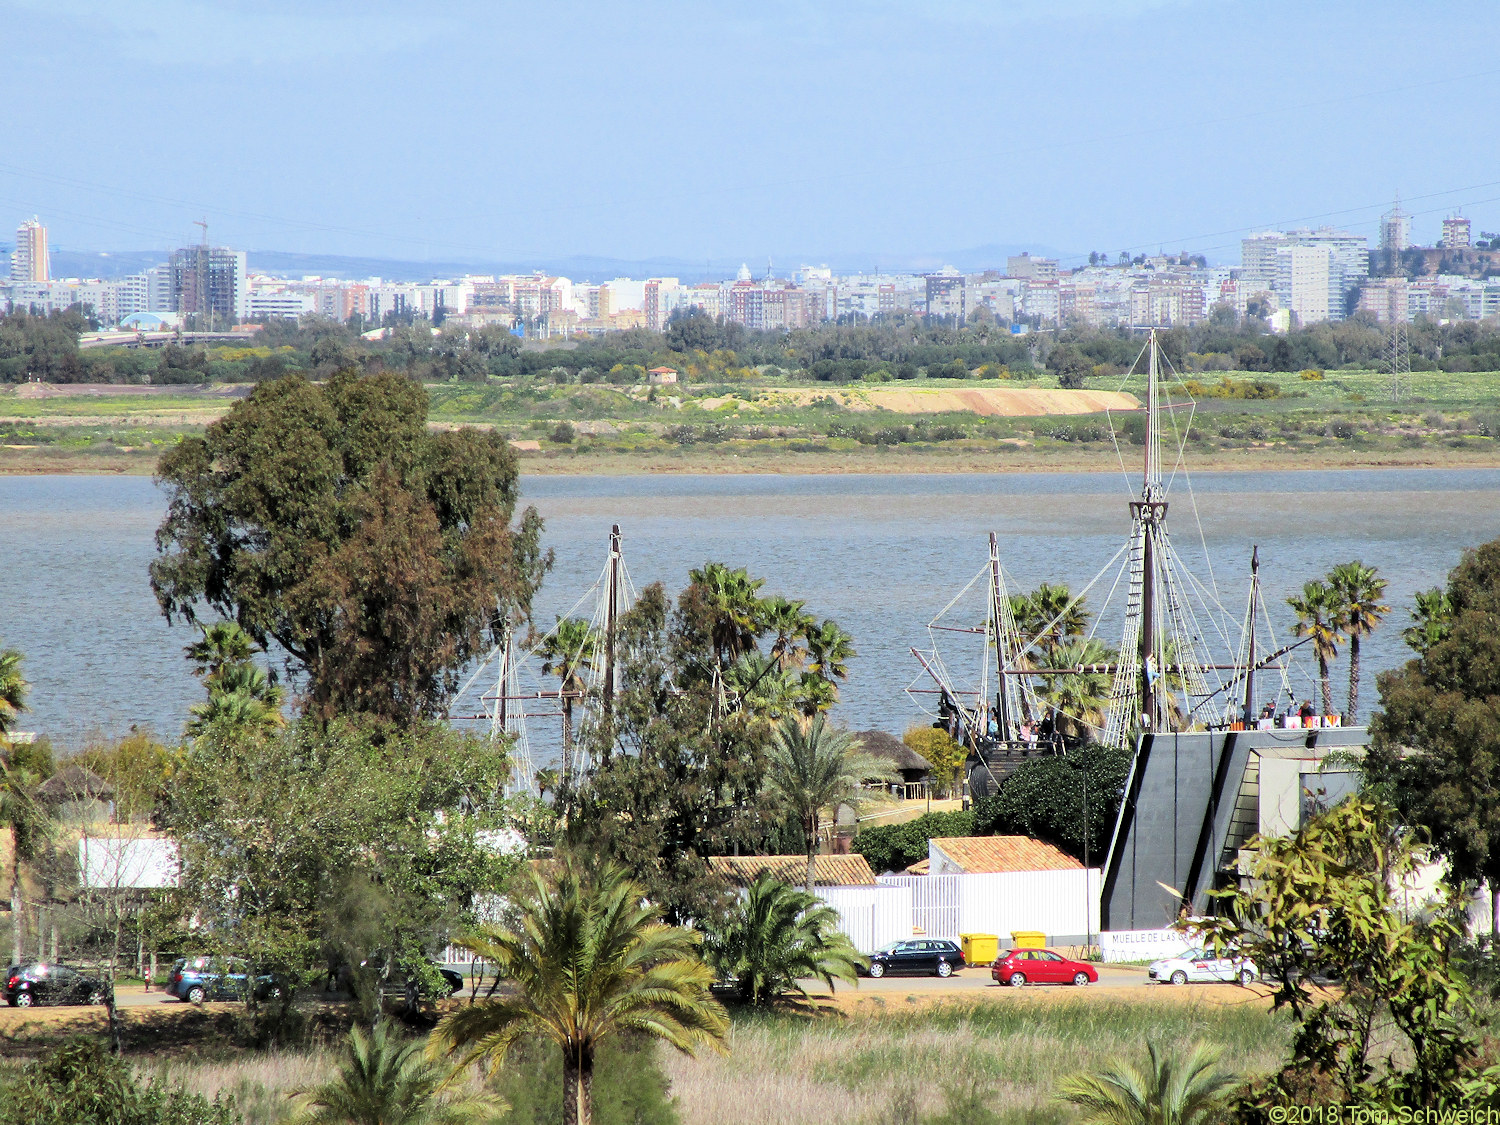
column 988, row 855
column 828, row 870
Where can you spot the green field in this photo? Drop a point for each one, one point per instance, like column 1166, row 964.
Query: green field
column 1346, row 417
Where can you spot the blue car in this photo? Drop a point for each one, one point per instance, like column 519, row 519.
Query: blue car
column 196, row 979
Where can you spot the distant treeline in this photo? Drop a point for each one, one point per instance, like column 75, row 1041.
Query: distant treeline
column 706, row 349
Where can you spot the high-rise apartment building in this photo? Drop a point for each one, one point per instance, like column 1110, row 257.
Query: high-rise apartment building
column 1456, row 233
column 209, row 282
column 1262, row 269
column 1395, row 229
column 1305, row 282
column 29, row 262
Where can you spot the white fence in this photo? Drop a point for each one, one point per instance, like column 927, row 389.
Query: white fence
column 1055, row 903
column 870, row 916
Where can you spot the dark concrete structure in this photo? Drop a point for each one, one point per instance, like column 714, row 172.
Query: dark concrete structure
column 1192, row 800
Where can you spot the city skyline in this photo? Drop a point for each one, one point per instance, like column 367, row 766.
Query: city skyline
column 787, row 131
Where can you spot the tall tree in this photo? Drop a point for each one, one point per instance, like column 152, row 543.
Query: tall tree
column 1431, row 616
column 1436, row 741
column 789, row 624
column 1359, row 590
column 1319, row 616
column 829, row 650
column 13, row 689
column 587, row 961
column 1080, row 698
column 330, row 520
column 729, row 607
column 567, row 653
column 1048, row 616
column 812, row 766
column 27, row 819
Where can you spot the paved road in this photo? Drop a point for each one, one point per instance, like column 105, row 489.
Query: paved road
column 968, row 981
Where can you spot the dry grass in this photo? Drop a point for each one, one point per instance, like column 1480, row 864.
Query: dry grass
column 261, row 1084
column 869, row 1069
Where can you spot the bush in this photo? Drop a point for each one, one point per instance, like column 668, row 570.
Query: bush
column 895, row 847
column 1044, row 798
column 629, row 1087
column 80, row 1083
column 563, row 434
column 941, row 749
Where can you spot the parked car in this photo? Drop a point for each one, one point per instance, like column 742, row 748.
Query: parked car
column 51, row 983
column 1041, row 966
column 922, row 955
column 340, row 981
column 196, row 979
column 1201, row 966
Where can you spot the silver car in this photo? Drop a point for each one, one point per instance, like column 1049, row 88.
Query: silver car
column 1200, row 966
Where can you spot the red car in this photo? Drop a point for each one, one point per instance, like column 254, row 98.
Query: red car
column 1041, row 966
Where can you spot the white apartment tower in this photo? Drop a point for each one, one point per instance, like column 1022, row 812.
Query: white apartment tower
column 1457, row 234
column 29, row 262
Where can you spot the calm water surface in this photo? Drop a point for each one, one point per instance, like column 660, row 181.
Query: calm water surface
column 881, row 554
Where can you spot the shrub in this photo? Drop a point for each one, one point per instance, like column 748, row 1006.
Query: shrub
column 1312, row 375
column 563, row 434
column 80, row 1083
column 941, row 749
column 895, row 847
column 629, row 1087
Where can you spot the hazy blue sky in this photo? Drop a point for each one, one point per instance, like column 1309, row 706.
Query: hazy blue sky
column 837, row 131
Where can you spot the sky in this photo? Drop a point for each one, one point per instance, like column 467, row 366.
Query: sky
column 850, row 131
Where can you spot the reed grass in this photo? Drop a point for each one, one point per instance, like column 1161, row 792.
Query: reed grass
column 903, row 1066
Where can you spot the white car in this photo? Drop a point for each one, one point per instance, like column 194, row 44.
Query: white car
column 1199, row 966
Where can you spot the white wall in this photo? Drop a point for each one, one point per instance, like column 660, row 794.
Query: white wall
column 870, row 917
column 1056, row 903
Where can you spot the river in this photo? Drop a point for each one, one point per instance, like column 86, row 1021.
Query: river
column 880, row 554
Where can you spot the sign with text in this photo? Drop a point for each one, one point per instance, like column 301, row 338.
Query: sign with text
column 1143, row 945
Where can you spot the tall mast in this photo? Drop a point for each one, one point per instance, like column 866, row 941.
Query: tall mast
column 611, row 615
column 1250, row 639
column 1002, row 715
column 1149, row 513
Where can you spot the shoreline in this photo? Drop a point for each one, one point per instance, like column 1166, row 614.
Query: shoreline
column 38, row 462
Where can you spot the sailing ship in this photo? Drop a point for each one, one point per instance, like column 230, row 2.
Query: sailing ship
column 1187, row 690
column 518, row 693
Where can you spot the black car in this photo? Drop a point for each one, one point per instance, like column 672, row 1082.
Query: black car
column 919, row 955
column 51, row 983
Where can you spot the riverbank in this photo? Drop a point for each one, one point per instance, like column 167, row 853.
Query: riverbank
column 868, row 460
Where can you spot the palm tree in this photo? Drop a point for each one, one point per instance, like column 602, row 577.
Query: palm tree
column 384, row 1080
column 13, row 689
column 776, row 936
column 28, row 821
column 1432, row 617
column 223, row 644
column 568, row 652
column 812, row 766
column 1043, row 616
column 1359, row 589
column 829, row 650
column 241, row 696
column 733, row 602
column 1165, row 1092
column 588, row 960
column 1318, row 616
column 761, row 687
column 1079, row 698
column 789, row 623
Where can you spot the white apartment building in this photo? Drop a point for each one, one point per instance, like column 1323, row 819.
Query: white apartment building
column 1306, row 282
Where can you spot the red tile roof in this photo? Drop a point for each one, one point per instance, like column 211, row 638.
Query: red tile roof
column 828, row 870
column 988, row 854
